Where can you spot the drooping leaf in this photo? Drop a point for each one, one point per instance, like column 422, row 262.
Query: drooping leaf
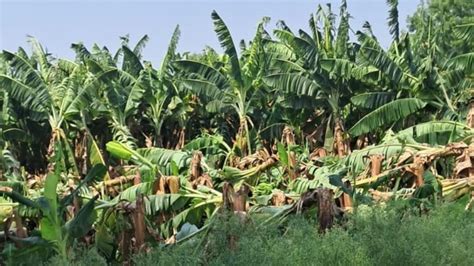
column 372, row 100
column 35, row 100
column 376, row 56
column 162, row 157
column 204, row 72
column 386, row 114
column 82, row 222
column 357, row 161
column 137, row 50
column 204, row 89
column 17, row 197
column 442, row 129
column 293, row 83
column 463, row 61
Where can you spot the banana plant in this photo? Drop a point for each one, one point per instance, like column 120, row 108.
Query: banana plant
column 53, row 228
column 321, row 66
column 165, row 100
column 52, row 94
column 415, row 82
column 233, row 86
column 187, row 206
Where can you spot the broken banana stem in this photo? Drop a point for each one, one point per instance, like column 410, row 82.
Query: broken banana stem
column 455, row 194
column 364, row 181
column 117, row 181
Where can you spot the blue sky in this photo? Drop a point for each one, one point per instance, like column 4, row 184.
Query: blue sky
column 57, row 24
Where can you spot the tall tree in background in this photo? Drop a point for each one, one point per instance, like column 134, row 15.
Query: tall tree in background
column 436, row 21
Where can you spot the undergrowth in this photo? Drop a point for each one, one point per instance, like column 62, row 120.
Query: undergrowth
column 373, row 236
column 388, row 235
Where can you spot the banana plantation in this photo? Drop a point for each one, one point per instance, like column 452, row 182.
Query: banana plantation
column 111, row 152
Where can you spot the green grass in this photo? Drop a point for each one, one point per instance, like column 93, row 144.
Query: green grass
column 373, row 236
column 390, row 235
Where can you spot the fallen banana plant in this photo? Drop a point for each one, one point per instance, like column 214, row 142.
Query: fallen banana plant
column 453, row 189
